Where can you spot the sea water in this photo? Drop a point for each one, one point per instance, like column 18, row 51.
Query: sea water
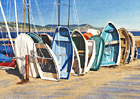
column 136, row 33
column 14, row 35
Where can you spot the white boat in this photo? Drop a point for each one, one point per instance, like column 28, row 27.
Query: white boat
column 47, row 63
column 23, row 46
column 91, row 54
column 76, row 67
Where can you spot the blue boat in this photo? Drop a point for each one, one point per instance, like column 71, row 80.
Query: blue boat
column 63, row 49
column 112, row 50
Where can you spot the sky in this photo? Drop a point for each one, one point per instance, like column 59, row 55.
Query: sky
column 122, row 13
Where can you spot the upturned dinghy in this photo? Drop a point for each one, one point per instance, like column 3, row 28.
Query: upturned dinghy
column 63, row 49
column 35, row 38
column 91, row 54
column 94, row 31
column 132, row 39
column 76, row 67
column 130, row 52
column 46, row 39
column 135, row 53
column 24, row 46
column 125, row 44
column 47, row 63
column 112, row 50
column 87, row 35
column 82, row 48
column 100, row 46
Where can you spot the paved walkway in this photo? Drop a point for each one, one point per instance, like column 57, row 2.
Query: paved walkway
column 108, row 83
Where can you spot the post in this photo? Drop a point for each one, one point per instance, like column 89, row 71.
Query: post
column 58, row 12
column 27, row 67
column 69, row 14
column 24, row 19
column 28, row 15
column 27, row 70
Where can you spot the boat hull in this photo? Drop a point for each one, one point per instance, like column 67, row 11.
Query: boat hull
column 100, row 46
column 82, row 48
column 63, row 49
column 112, row 50
column 125, row 45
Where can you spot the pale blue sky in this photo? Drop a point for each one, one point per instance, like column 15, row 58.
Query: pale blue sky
column 123, row 13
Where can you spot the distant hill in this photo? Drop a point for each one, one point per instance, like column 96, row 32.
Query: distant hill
column 46, row 28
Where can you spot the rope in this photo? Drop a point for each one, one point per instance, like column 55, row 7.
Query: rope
column 40, row 16
column 75, row 13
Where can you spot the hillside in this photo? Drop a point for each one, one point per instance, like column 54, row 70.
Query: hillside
column 46, row 28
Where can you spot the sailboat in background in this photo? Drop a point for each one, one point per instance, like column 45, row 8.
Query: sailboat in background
column 6, row 49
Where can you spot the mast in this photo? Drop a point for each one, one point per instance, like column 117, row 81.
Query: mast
column 58, row 12
column 28, row 15
column 6, row 26
column 24, row 19
column 69, row 14
column 16, row 16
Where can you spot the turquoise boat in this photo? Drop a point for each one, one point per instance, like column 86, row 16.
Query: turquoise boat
column 100, row 46
column 112, row 50
column 35, row 38
column 63, row 49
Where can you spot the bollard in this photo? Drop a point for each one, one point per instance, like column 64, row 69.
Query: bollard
column 27, row 71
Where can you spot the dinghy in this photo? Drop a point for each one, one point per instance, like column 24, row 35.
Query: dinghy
column 87, row 35
column 35, row 38
column 82, row 48
column 132, row 39
column 76, row 67
column 135, row 53
column 47, row 63
column 63, row 49
column 46, row 39
column 94, row 31
column 91, row 54
column 130, row 52
column 99, row 45
column 112, row 50
column 125, row 45
column 24, row 46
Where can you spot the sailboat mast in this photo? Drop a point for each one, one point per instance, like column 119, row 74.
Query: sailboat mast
column 24, row 19
column 69, row 14
column 28, row 15
column 58, row 12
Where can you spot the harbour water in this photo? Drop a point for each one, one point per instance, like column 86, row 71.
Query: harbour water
column 14, row 35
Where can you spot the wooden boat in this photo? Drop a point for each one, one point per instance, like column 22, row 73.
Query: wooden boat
column 94, row 31
column 91, row 54
column 35, row 38
column 132, row 39
column 82, row 48
column 46, row 39
column 24, row 46
column 125, row 44
column 76, row 67
column 47, row 63
column 112, row 50
column 100, row 46
column 63, row 49
column 87, row 35
column 130, row 52
column 135, row 53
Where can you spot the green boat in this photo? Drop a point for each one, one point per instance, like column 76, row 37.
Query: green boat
column 100, row 46
column 82, row 48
